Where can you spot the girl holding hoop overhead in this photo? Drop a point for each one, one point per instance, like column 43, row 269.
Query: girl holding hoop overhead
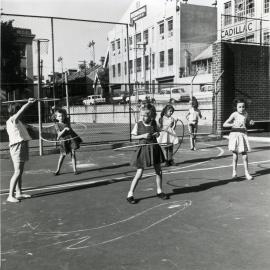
column 18, row 144
column 167, row 135
column 146, row 155
column 69, row 140
column 238, row 139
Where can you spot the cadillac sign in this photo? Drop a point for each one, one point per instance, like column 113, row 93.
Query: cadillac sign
column 238, row 30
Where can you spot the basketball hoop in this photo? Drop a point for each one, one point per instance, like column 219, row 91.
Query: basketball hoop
column 43, row 44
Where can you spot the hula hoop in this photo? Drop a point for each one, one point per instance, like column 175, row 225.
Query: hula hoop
column 60, row 140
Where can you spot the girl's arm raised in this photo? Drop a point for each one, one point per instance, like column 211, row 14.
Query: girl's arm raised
column 19, row 113
column 229, row 121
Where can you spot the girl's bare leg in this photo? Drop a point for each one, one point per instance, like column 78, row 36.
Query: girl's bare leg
column 73, row 158
column 60, row 162
column 134, row 182
column 18, row 170
column 158, row 177
column 245, row 162
column 234, row 164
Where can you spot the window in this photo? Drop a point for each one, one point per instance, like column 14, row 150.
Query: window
column 227, row 13
column 266, row 38
column 146, row 62
column 266, row 6
column 239, row 8
column 113, row 46
column 244, row 8
column 153, row 61
column 139, row 64
column 119, row 69
column 125, row 44
column 145, row 36
column 125, row 68
column 138, row 38
column 113, row 70
column 24, row 73
column 170, row 57
column 170, row 25
column 161, row 59
column 118, row 44
column 250, row 11
column 22, row 50
column 161, row 28
column 130, row 66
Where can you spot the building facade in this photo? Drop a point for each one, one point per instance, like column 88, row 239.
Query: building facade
column 163, row 39
column 244, row 21
column 25, row 42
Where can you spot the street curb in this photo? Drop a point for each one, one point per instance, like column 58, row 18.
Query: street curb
column 100, row 147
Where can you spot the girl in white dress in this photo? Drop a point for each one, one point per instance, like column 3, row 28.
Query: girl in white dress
column 167, row 134
column 238, row 139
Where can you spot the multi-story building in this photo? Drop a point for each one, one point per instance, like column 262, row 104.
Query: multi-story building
column 164, row 37
column 244, row 21
column 24, row 38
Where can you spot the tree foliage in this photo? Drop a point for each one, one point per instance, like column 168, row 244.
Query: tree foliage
column 11, row 74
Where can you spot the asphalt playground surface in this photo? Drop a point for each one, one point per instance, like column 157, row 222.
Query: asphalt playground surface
column 210, row 222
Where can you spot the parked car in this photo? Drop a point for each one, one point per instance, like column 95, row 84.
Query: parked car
column 172, row 95
column 142, row 94
column 205, row 93
column 94, row 99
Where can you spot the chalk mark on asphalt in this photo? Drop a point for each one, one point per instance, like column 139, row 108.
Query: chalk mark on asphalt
column 105, row 234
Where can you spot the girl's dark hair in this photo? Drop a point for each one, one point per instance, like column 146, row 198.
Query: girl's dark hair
column 194, row 102
column 238, row 100
column 13, row 108
column 163, row 112
column 63, row 112
column 152, row 109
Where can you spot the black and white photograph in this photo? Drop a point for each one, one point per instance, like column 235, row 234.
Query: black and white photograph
column 135, row 135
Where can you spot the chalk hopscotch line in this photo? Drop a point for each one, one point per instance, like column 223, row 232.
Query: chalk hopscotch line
column 105, row 234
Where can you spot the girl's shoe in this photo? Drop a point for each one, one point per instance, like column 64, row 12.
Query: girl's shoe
column 56, row 173
column 12, row 200
column 234, row 176
column 249, row 177
column 167, row 163
column 23, row 196
column 75, row 173
column 172, row 163
column 162, row 196
column 131, row 200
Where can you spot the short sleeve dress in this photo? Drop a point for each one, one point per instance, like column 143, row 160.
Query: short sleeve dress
column 238, row 139
column 69, row 140
column 167, row 135
column 147, row 155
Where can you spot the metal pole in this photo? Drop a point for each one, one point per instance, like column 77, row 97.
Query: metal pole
column 52, row 29
column 129, row 101
column 67, row 96
column 135, row 27
column 191, row 90
column 39, row 102
column 215, row 95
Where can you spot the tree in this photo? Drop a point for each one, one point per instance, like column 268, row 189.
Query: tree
column 103, row 76
column 11, row 74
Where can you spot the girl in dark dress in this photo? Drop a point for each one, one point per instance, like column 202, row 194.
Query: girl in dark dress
column 69, row 140
column 148, row 154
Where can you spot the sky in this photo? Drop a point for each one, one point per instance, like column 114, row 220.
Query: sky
column 71, row 38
